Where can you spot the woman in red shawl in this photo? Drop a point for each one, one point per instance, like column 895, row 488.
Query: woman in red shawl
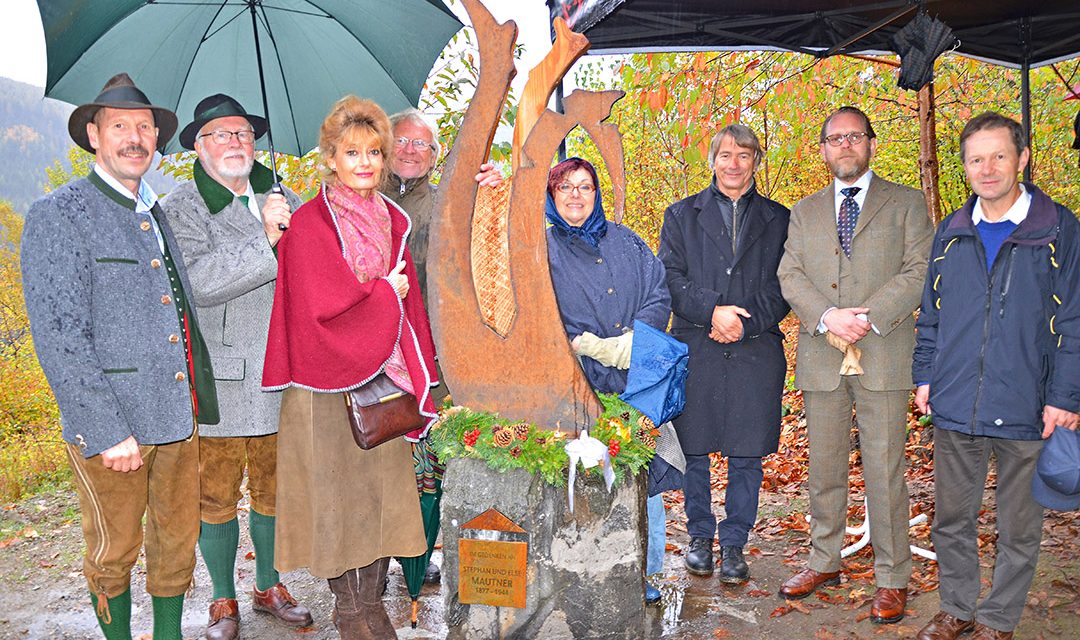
column 347, row 306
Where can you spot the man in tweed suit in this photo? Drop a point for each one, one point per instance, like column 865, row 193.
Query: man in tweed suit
column 852, row 271
column 227, row 223
column 118, row 340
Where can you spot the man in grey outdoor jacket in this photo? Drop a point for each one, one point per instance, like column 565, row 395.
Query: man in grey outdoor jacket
column 227, row 223
column 118, row 340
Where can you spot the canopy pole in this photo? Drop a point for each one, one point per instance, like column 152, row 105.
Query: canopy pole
column 1025, row 88
column 262, row 87
column 1025, row 108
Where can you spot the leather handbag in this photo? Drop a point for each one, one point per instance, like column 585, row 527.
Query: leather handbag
column 381, row 411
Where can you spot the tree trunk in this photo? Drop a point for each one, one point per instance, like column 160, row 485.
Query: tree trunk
column 928, row 158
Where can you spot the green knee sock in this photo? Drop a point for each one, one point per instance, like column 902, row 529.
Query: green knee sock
column 262, row 536
column 167, row 614
column 217, row 542
column 118, row 614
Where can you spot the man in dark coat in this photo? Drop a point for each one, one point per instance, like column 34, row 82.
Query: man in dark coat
column 997, row 358
column 721, row 248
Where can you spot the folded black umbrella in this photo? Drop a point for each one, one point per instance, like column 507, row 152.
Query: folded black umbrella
column 919, row 44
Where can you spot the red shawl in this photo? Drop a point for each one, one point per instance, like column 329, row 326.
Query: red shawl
column 330, row 333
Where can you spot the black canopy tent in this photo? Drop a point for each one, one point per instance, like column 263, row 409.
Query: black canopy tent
column 1018, row 34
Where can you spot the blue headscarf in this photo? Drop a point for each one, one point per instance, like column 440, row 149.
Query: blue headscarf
column 594, row 227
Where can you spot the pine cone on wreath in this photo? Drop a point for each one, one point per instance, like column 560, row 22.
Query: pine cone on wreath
column 521, row 430
column 502, row 438
column 646, row 438
column 646, row 423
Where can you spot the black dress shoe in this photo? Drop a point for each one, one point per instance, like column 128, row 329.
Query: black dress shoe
column 699, row 560
column 432, row 575
column 733, row 568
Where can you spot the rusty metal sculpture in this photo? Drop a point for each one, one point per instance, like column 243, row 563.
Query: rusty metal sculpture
column 501, row 342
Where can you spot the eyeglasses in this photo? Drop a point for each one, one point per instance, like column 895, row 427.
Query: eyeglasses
column 583, row 189
column 220, row 136
column 418, row 143
column 855, row 138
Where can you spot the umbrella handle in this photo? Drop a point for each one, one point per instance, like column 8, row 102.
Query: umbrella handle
column 414, row 607
column 279, row 190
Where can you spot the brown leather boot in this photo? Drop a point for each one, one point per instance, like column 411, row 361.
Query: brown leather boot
column 372, row 578
column 349, row 614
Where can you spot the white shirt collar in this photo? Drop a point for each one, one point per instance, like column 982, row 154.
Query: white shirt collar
column 1016, row 213
column 146, row 199
column 863, row 183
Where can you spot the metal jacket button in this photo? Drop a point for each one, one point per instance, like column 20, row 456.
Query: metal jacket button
column 833, row 285
column 180, row 377
column 166, row 299
column 155, row 263
column 174, row 338
column 145, row 225
column 610, row 291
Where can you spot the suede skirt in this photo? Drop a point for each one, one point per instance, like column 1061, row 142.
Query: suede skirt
column 340, row 507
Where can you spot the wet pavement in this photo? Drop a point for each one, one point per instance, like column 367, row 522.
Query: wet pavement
column 43, row 595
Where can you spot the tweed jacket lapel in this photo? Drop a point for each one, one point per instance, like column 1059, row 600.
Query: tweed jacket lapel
column 822, row 213
column 877, row 196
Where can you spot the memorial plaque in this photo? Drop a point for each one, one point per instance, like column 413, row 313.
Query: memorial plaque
column 492, row 561
column 492, row 572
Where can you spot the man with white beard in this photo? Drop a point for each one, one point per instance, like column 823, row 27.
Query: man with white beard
column 227, row 223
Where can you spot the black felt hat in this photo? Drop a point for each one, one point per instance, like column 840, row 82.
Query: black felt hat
column 217, row 106
column 120, row 92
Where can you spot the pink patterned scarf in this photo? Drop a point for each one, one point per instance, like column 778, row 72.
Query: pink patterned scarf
column 365, row 232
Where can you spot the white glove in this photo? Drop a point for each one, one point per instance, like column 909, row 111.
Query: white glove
column 610, row 352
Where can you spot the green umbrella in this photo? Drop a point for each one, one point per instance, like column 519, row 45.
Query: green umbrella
column 429, row 482
column 295, row 57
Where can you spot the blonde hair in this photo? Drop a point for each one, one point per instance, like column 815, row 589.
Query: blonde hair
column 354, row 119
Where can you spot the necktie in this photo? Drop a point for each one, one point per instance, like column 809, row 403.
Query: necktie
column 849, row 215
column 243, row 200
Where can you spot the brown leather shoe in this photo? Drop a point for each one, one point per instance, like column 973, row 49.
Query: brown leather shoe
column 983, row 632
column 944, row 627
column 278, row 602
column 224, row 620
column 888, row 606
column 806, row 581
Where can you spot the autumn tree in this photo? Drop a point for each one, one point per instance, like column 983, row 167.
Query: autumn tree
column 31, row 450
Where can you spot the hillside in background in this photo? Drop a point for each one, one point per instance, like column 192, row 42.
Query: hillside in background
column 33, row 135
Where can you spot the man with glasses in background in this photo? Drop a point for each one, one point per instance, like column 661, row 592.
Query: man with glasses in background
column 852, row 270
column 227, row 223
column 416, row 151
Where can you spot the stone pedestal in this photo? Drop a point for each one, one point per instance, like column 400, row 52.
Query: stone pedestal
column 584, row 570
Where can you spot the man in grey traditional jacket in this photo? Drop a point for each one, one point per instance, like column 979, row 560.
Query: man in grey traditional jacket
column 227, row 223
column 118, row 340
